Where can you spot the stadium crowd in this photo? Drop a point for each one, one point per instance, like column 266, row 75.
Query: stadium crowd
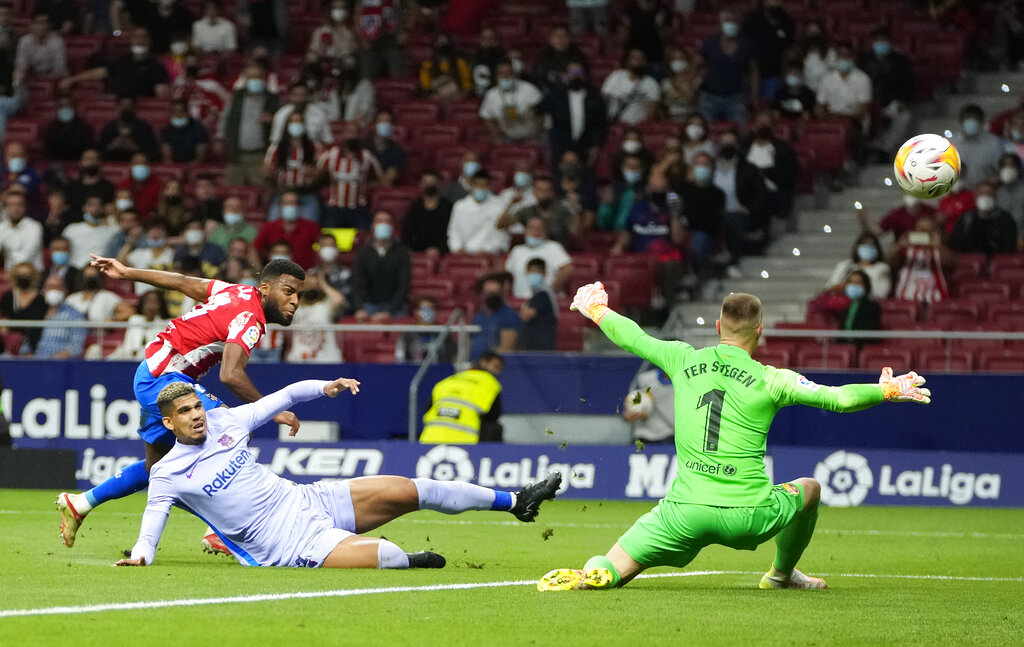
column 421, row 156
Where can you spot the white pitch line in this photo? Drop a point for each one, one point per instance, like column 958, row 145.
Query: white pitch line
column 340, row 593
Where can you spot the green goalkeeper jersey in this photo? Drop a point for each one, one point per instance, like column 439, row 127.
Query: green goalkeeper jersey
column 724, row 405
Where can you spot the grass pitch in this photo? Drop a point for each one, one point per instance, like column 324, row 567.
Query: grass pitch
column 902, row 576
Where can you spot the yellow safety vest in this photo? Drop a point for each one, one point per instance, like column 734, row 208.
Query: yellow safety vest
column 458, row 403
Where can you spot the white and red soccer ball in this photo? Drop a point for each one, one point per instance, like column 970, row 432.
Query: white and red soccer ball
column 927, row 166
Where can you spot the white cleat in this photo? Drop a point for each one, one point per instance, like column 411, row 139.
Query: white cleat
column 796, row 580
column 70, row 519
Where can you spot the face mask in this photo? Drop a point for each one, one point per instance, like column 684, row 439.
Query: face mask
column 250, row 282
column 384, row 129
column 517, row 66
column 631, row 146
column 702, row 173
column 16, row 164
column 338, row 15
column 730, row 29
column 231, row 218
column 971, row 127
column 92, row 283
column 193, row 237
column 910, row 201
column 54, row 298
column 1008, row 175
column 506, row 85
column 794, row 81
column 179, row 48
column 430, row 190
column 469, row 169
column 255, row 86
column 179, row 122
column 844, row 65
column 763, row 132
column 493, row 301
column 328, row 254
column 480, row 194
column 65, row 114
column 533, row 241
column 23, row 281
column 59, row 258
column 123, row 204
column 867, row 253
column 728, row 151
column 536, row 281
column 382, row 231
column 1016, row 135
column 632, row 177
column 290, row 212
column 522, row 179
column 985, row 203
column 91, row 219
column 280, row 257
column 854, row 291
column 427, row 314
column 679, row 65
column 695, row 132
column 296, row 129
column 882, row 48
column 139, row 51
column 155, row 243
column 140, row 172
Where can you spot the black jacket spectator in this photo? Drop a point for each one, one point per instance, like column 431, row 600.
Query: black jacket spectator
column 892, row 77
column 128, row 76
column 780, row 177
column 66, row 140
column 382, row 279
column 427, row 228
column 125, row 136
column 772, row 30
column 551, row 64
column 794, row 101
column 556, row 104
column 647, row 19
column 184, row 141
column 163, row 24
column 995, row 233
column 703, row 207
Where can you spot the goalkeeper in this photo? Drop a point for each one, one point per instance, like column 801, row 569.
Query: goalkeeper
column 724, row 405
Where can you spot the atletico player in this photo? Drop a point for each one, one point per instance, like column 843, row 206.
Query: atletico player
column 228, row 322
column 724, row 405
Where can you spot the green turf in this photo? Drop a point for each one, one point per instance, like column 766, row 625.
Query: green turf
column 37, row 571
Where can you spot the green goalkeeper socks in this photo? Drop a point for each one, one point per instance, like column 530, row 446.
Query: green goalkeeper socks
column 791, row 542
column 600, row 561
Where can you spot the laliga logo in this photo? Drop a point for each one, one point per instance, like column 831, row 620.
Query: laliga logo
column 845, row 479
column 445, row 463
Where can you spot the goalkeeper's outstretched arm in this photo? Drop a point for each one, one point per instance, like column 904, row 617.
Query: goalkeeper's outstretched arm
column 788, row 387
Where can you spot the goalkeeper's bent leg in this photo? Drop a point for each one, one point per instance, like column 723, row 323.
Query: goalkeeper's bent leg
column 793, row 539
column 601, row 561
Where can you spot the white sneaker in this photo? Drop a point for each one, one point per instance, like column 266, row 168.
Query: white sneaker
column 70, row 519
column 796, row 580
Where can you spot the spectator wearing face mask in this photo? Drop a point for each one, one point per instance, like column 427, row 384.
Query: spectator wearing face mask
column 314, row 117
column 575, row 188
column 631, row 94
column 336, row 273
column 867, row 257
column 413, row 346
column 350, row 169
column 173, row 210
column 473, row 227
column 17, row 172
column 299, row 233
column 485, row 60
column 617, row 200
column 681, row 87
column 892, row 82
column 746, row 198
column 91, row 235
column 426, row 222
column 137, row 73
column 292, row 165
column 986, row 229
column 731, row 76
column 695, row 139
column 519, row 196
column 577, row 116
column 145, row 189
column 778, row 165
column 381, row 36
column 771, row 30
column 920, row 261
column 508, row 107
column 538, row 245
column 381, row 274
column 21, row 237
column 561, row 223
column 817, row 56
column 209, row 256
column 183, row 139
column 243, row 131
column 499, row 324
column 540, row 312
column 899, row 220
column 389, row 153
column 554, row 59
column 60, row 254
column 461, row 186
column 794, row 99
column 704, row 211
column 1010, row 193
column 321, row 306
column 89, row 182
column 93, row 300
column 335, row 38
column 68, row 135
column 234, row 225
column 632, row 144
column 353, row 99
column 127, row 135
column 24, row 301
column 979, row 149
column 213, row 33
column 58, row 342
column 846, row 92
column 155, row 253
column 863, row 312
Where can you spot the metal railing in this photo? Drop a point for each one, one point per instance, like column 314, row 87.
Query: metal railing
column 461, row 361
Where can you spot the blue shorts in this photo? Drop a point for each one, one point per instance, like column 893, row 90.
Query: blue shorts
column 147, row 388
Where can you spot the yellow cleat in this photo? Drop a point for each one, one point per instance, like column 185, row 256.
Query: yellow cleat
column 70, row 519
column 570, row 579
column 796, row 580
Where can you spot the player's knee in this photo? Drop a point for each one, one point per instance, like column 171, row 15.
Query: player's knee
column 812, row 492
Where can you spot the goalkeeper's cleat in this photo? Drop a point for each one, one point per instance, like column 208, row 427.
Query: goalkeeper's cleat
column 70, row 519
column 426, row 559
column 528, row 499
column 773, row 579
column 573, row 579
column 213, row 544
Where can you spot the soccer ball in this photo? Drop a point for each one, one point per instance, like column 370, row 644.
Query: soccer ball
column 639, row 402
column 927, row 166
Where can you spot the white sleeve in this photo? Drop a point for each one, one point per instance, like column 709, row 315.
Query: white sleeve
column 257, row 414
column 559, row 257
column 455, row 242
column 158, row 507
column 653, row 89
column 839, row 274
column 489, row 106
column 278, row 122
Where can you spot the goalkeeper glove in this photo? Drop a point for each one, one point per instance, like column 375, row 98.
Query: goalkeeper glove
column 592, row 301
column 904, row 388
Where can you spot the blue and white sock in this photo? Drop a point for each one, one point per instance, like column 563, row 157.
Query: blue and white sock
column 130, row 480
column 453, row 497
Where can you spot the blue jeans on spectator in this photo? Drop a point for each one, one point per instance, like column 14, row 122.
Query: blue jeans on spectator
column 730, row 107
column 702, row 244
column 352, row 217
column 309, row 208
column 373, row 308
column 770, row 86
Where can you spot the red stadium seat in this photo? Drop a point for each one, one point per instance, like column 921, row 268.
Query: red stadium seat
column 837, row 356
column 391, row 91
column 973, row 264
column 506, row 156
column 449, row 161
column 828, row 140
column 637, row 271
column 808, row 160
column 1013, row 276
column 585, row 269
column 874, row 357
column 416, row 113
column 423, row 265
column 570, row 334
column 12, row 341
column 982, row 290
column 1005, row 361
column 463, row 112
column 441, row 289
column 23, row 130
column 955, row 312
column 463, row 265
column 939, row 360
column 780, row 358
column 437, row 136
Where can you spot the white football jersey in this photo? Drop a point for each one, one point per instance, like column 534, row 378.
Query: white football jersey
column 260, row 516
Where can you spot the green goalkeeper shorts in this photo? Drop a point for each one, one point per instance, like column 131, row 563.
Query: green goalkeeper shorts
column 673, row 533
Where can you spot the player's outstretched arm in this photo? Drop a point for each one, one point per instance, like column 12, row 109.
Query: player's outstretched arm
column 788, row 387
column 257, row 414
column 154, row 519
column 191, row 286
column 592, row 302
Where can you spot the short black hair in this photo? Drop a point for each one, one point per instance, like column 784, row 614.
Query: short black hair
column 538, row 263
column 482, row 174
column 488, row 355
column 972, row 110
column 865, row 278
column 280, row 267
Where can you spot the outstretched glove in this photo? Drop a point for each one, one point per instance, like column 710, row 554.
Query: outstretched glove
column 591, row 301
column 904, row 388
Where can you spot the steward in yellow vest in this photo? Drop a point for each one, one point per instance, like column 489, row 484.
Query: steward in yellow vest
column 466, row 406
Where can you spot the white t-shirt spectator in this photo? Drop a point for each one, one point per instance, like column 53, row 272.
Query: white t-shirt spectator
column 88, row 239
column 147, row 258
column 219, row 36
column 21, row 243
column 844, row 96
column 318, row 126
column 99, row 308
column 513, row 110
column 629, row 101
column 471, row 229
column 879, row 273
column 554, row 255
column 314, row 346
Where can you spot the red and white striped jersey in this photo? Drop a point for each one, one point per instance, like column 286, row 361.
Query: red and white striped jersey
column 349, row 176
column 206, row 99
column 294, row 174
column 194, row 342
column 921, row 278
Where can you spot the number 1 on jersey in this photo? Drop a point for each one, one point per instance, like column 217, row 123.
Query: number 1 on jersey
column 713, row 399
